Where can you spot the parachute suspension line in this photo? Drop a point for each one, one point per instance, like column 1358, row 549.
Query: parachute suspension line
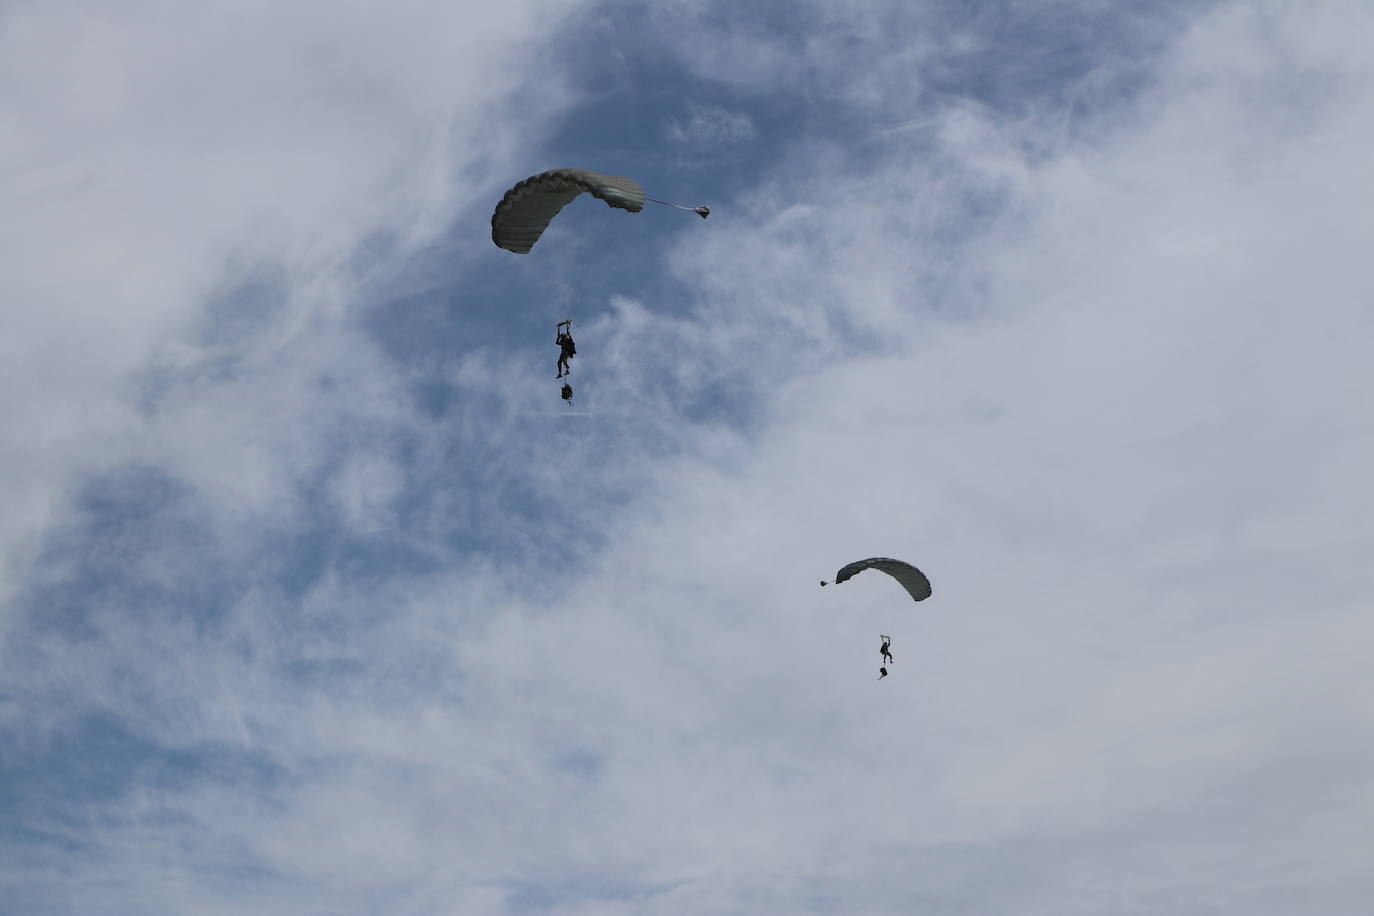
column 703, row 212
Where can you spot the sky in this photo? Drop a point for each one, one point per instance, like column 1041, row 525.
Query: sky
column 316, row 599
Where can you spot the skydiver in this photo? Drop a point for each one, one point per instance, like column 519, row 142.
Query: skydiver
column 567, row 393
column 887, row 656
column 566, row 348
column 882, row 673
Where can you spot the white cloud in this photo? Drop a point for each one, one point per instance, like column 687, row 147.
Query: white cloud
column 1107, row 392
column 160, row 156
column 710, row 124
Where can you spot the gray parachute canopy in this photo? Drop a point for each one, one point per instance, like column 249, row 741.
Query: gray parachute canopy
column 526, row 210
column 910, row 578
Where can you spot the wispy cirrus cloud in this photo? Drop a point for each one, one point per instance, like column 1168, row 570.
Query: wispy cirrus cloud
column 709, row 124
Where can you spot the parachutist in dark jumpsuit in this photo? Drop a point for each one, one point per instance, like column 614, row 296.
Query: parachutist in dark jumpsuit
column 887, row 656
column 566, row 348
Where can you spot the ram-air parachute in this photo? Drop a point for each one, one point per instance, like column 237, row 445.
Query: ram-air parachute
column 908, row 576
column 528, row 208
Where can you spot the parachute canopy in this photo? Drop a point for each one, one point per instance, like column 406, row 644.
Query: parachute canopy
column 527, row 209
column 908, row 576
